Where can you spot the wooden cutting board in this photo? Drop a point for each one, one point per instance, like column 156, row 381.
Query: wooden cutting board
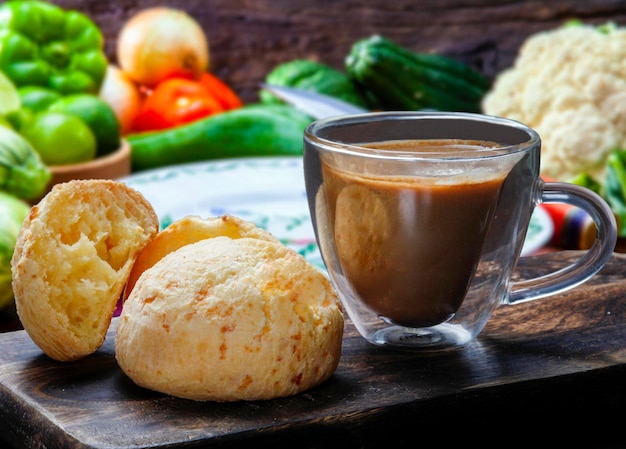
column 563, row 356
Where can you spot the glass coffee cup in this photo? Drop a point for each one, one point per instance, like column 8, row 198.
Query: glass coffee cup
column 420, row 218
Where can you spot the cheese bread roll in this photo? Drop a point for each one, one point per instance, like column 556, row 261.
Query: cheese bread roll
column 227, row 319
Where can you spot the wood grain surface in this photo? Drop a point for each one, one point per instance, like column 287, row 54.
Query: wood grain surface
column 249, row 38
column 552, row 370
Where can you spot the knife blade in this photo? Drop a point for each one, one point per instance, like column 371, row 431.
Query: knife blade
column 315, row 104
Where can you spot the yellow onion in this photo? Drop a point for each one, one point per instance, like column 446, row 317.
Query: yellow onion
column 123, row 95
column 159, row 43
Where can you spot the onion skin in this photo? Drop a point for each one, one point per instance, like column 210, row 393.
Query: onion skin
column 160, row 43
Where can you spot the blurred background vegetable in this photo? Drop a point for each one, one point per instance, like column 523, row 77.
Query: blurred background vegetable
column 402, row 79
column 159, row 43
column 569, row 84
column 174, row 102
column 9, row 96
column 97, row 114
column 615, row 188
column 252, row 130
column 314, row 76
column 52, row 65
column 221, row 91
column 43, row 45
column 60, row 138
column 123, row 95
column 37, row 98
column 13, row 211
column 22, row 172
column 163, row 57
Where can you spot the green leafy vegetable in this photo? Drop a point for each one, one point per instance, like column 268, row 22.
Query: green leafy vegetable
column 585, row 180
column 615, row 188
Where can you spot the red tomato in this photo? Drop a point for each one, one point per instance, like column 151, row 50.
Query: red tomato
column 220, row 91
column 174, row 102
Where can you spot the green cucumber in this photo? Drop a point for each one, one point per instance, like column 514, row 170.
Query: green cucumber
column 413, row 92
column 402, row 79
column 252, row 130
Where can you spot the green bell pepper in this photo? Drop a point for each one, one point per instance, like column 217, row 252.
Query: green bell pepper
column 44, row 45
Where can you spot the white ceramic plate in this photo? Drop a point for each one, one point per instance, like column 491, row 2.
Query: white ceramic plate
column 266, row 191
column 540, row 231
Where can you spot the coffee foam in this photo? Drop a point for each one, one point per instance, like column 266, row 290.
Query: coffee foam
column 427, row 162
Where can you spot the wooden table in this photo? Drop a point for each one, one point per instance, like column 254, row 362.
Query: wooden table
column 550, row 371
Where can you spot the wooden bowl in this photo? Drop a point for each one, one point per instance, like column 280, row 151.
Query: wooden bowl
column 111, row 166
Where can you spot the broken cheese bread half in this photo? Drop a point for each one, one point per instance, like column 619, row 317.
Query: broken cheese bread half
column 71, row 261
column 191, row 229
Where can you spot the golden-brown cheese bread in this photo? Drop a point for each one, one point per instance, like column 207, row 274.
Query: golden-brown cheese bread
column 71, row 260
column 228, row 319
column 190, row 229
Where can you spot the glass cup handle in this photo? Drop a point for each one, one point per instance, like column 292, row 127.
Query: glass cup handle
column 590, row 262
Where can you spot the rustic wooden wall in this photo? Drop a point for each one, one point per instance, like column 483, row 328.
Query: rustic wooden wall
column 248, row 38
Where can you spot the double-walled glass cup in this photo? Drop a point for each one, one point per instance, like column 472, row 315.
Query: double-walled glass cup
column 420, row 218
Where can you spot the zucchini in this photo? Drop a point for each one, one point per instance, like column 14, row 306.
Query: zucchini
column 252, row 130
column 316, row 77
column 401, row 79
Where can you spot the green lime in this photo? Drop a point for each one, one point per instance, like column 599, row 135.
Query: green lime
column 60, row 138
column 9, row 98
column 37, row 98
column 98, row 115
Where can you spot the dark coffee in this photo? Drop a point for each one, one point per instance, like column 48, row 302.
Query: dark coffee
column 410, row 246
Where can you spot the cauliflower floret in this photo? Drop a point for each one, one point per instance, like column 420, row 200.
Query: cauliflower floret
column 569, row 84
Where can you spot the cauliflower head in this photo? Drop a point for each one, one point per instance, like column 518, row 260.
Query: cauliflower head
column 569, row 84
